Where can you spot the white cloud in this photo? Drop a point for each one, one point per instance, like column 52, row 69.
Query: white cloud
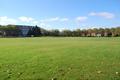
column 81, row 19
column 106, row 15
column 26, row 19
column 54, row 19
column 64, row 19
column 50, row 19
column 42, row 24
column 45, row 26
column 35, row 22
column 4, row 20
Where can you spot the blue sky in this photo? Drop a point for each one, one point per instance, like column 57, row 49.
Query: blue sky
column 61, row 14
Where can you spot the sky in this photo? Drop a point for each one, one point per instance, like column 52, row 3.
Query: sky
column 61, row 14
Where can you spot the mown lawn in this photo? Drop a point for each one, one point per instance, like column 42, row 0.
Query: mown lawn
column 62, row 58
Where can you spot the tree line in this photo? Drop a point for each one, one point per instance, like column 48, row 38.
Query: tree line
column 96, row 32
column 9, row 31
column 35, row 31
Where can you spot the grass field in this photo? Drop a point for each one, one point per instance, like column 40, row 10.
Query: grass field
column 60, row 58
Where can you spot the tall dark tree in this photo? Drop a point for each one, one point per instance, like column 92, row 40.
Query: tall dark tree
column 35, row 31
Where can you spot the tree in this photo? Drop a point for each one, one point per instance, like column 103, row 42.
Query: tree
column 113, row 32
column 11, row 31
column 35, row 31
column 30, row 33
column 76, row 33
column 54, row 32
column 117, row 31
column 107, row 32
column 84, row 33
column 66, row 33
column 101, row 31
column 89, row 32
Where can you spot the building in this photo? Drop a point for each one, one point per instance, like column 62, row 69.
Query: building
column 24, row 29
column 93, row 34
